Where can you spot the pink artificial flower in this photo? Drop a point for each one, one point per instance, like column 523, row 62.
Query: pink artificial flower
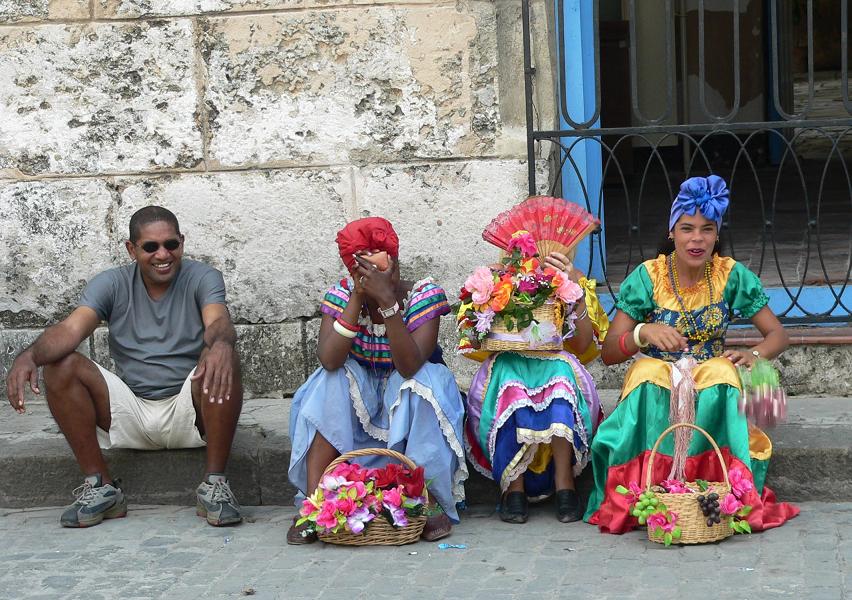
column 392, row 497
column 308, row 507
column 327, row 517
column 523, row 241
column 675, row 486
column 569, row 291
column 346, row 506
column 657, row 520
column 359, row 488
column 730, row 505
column 740, row 484
column 527, row 286
column 481, row 284
column 635, row 490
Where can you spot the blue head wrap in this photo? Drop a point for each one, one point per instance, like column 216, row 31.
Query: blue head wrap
column 709, row 195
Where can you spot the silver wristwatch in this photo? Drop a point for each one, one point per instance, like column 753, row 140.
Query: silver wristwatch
column 389, row 312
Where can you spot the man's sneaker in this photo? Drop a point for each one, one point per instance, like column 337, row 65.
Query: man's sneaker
column 95, row 502
column 217, row 502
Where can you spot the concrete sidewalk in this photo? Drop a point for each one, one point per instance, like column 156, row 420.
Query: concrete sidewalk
column 167, row 552
column 812, row 459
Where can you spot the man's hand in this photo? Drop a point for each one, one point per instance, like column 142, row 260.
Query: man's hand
column 24, row 369
column 216, row 371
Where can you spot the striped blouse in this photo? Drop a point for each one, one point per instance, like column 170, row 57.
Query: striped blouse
column 370, row 347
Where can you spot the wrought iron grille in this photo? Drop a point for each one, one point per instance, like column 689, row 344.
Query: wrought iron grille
column 790, row 218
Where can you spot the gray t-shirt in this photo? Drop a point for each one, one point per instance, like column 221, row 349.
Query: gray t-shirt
column 155, row 344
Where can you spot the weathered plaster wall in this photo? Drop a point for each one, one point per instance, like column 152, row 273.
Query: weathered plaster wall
column 265, row 125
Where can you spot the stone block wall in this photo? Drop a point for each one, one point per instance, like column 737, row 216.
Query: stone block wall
column 265, row 125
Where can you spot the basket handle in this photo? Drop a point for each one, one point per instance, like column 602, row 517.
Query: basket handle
column 668, row 430
column 346, row 456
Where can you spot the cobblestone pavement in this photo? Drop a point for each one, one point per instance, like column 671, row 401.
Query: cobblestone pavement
column 167, row 552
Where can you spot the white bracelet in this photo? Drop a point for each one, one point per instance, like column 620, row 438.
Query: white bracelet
column 636, row 339
column 343, row 331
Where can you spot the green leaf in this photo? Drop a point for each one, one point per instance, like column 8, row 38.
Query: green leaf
column 744, row 511
column 676, row 532
column 668, row 539
column 745, row 526
column 732, row 524
column 302, row 521
column 508, row 322
column 658, row 532
column 702, row 484
column 622, row 490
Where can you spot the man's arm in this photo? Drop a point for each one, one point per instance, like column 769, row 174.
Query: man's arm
column 215, row 369
column 54, row 344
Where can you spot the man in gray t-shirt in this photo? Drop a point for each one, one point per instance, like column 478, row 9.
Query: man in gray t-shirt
column 178, row 378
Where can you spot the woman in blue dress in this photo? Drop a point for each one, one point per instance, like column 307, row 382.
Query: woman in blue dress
column 383, row 382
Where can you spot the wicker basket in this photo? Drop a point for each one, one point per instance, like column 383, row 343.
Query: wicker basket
column 378, row 532
column 500, row 339
column 693, row 523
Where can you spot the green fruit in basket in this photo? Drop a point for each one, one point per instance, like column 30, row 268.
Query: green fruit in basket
column 636, row 512
column 642, row 520
column 654, row 502
column 643, row 496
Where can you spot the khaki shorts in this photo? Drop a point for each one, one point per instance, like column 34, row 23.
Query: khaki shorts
column 149, row 424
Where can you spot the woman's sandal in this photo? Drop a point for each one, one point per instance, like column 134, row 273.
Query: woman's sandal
column 568, row 507
column 299, row 535
column 437, row 527
column 514, row 507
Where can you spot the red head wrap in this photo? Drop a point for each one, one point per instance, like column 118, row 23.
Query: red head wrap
column 372, row 233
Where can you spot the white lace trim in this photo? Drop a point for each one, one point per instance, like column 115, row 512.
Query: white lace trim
column 538, row 407
column 361, row 410
column 424, row 392
column 476, row 466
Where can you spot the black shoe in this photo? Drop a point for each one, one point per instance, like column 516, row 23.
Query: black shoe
column 513, row 508
column 568, row 507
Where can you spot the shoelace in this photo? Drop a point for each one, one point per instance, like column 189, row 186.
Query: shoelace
column 222, row 493
column 84, row 494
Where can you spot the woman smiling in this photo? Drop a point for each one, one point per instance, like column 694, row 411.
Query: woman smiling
column 675, row 306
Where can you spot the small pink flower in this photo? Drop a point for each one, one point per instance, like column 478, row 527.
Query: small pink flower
column 675, row 486
column 345, row 506
column 523, row 241
column 327, row 517
column 332, row 482
column 657, row 520
column 308, row 507
column 569, row 291
column 480, row 284
column 730, row 505
column 527, row 286
column 740, row 484
column 392, row 497
column 358, row 519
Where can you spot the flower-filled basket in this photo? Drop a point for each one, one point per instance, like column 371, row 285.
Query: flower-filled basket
column 516, row 305
column 689, row 512
column 357, row 506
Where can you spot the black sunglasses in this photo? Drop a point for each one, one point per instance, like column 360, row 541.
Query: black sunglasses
column 170, row 245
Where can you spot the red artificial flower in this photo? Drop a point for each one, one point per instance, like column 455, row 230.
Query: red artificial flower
column 464, row 294
column 386, row 476
column 412, row 481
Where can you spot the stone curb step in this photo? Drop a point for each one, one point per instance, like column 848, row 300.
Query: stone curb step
column 812, row 459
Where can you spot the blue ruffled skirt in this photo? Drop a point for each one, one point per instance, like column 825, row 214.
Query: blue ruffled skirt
column 354, row 408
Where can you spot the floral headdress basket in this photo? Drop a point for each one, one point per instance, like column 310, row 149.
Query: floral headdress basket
column 692, row 512
column 357, row 506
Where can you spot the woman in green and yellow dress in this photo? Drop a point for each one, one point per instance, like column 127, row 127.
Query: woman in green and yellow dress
column 679, row 304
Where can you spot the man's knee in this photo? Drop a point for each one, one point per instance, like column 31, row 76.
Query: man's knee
column 67, row 367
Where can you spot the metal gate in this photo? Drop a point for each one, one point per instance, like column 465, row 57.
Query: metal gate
column 672, row 89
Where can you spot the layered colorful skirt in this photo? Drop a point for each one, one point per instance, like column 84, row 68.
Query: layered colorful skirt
column 624, row 440
column 517, row 403
column 354, row 407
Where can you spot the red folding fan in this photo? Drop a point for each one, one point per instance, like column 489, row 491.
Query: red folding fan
column 556, row 224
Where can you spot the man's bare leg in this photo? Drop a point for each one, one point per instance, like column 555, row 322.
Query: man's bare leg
column 218, row 421
column 78, row 398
